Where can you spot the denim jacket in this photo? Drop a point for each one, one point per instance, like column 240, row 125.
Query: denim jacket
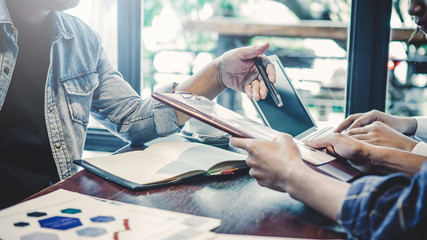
column 82, row 81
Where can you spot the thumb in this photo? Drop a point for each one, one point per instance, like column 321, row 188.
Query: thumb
column 253, row 51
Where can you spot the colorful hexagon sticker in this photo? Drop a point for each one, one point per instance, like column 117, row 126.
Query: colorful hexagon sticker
column 91, row 232
column 71, row 210
column 21, row 224
column 102, row 219
column 40, row 236
column 36, row 214
column 60, row 223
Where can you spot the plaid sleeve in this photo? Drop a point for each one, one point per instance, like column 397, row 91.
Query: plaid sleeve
column 387, row 207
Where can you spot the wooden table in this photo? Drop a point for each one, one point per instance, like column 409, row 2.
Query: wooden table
column 243, row 206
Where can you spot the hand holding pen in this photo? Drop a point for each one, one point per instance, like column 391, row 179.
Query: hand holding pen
column 271, row 89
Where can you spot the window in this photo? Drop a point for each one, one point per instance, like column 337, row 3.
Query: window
column 180, row 37
column 407, row 66
column 101, row 15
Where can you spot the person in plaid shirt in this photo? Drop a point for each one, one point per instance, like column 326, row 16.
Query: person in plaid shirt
column 391, row 206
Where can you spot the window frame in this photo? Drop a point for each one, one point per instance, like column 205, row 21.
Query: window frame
column 368, row 44
column 129, row 65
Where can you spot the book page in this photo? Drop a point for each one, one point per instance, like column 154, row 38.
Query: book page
column 232, row 122
column 163, row 161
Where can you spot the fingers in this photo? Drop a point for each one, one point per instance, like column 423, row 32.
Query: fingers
column 256, row 90
column 367, row 118
column 271, row 72
column 251, row 146
column 363, row 137
column 323, row 142
column 357, row 131
column 263, row 90
column 347, row 122
column 243, row 143
column 362, row 121
column 357, row 120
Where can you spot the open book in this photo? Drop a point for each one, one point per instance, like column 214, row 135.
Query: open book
column 232, row 122
column 163, row 164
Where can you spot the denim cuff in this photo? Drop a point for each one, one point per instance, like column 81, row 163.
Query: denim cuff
column 164, row 115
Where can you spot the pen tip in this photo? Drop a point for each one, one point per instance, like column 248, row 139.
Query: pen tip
column 279, row 100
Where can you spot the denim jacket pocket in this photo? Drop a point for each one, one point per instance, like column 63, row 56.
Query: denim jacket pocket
column 79, row 93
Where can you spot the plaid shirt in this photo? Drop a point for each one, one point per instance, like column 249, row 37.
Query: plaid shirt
column 387, row 207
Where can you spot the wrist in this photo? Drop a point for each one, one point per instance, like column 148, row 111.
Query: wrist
column 410, row 145
column 217, row 64
column 296, row 178
column 370, row 153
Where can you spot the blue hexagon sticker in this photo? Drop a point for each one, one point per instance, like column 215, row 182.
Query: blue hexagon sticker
column 39, row 235
column 71, row 210
column 102, row 219
column 91, row 232
column 60, row 223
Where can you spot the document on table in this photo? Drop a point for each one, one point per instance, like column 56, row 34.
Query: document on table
column 67, row 215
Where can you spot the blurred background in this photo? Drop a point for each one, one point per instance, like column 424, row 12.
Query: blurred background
column 179, row 37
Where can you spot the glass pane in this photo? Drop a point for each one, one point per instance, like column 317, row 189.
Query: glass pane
column 407, row 92
column 101, row 15
column 310, row 37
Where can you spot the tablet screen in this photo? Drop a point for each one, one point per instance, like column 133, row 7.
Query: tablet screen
column 292, row 117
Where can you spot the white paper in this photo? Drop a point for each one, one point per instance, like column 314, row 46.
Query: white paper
column 84, row 223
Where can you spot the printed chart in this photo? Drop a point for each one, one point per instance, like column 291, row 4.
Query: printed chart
column 67, row 215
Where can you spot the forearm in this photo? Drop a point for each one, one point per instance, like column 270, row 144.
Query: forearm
column 204, row 83
column 324, row 194
column 395, row 159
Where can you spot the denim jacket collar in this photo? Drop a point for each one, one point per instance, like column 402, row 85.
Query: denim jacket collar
column 61, row 29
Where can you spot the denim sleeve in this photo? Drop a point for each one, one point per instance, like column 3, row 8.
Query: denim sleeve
column 122, row 111
column 387, row 207
column 164, row 116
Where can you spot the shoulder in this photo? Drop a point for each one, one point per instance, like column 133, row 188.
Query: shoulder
column 76, row 27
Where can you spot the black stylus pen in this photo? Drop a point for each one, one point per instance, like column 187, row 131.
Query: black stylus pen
column 274, row 94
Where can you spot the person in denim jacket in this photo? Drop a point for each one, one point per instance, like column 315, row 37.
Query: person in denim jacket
column 392, row 206
column 54, row 73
